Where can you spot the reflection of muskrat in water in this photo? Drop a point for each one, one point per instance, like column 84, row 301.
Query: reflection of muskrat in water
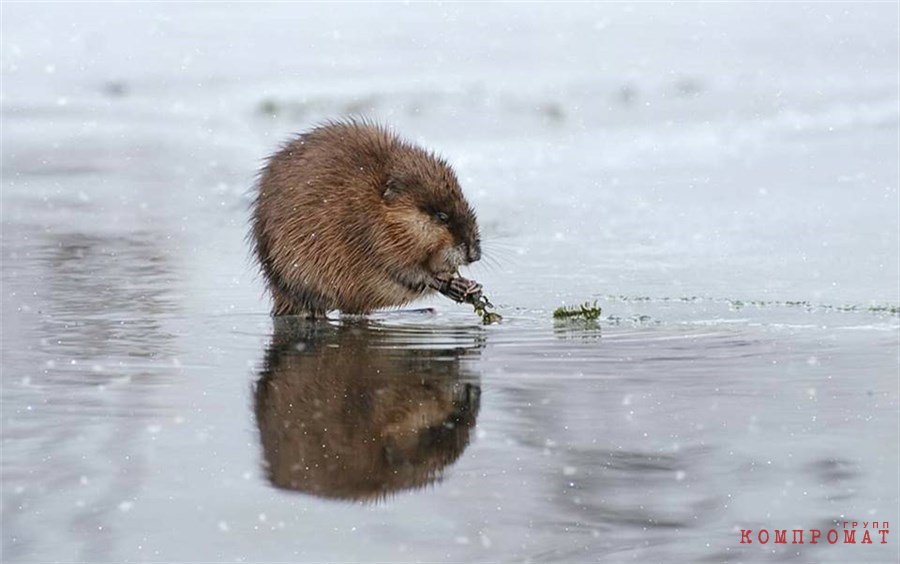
column 345, row 413
column 348, row 216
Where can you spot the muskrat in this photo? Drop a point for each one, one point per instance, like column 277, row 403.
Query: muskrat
column 348, row 216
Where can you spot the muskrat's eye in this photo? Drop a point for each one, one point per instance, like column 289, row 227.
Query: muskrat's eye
column 442, row 217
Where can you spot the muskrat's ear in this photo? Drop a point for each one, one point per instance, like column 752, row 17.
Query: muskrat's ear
column 392, row 189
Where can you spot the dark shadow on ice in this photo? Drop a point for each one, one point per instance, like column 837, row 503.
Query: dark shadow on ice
column 358, row 410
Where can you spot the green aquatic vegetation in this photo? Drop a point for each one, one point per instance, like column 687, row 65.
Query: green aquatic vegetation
column 587, row 310
column 482, row 307
column 888, row 308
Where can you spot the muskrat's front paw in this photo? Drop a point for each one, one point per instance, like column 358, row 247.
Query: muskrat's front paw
column 462, row 290
column 458, row 289
column 469, row 289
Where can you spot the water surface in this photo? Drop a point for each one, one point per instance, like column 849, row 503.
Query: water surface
column 736, row 223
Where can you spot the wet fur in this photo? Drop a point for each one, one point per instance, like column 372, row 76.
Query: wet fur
column 344, row 218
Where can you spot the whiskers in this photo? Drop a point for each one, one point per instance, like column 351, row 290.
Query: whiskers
column 496, row 255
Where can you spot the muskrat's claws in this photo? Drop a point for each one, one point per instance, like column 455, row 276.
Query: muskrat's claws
column 458, row 289
column 462, row 290
column 470, row 288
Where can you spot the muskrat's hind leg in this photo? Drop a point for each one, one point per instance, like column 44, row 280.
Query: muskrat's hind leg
column 284, row 304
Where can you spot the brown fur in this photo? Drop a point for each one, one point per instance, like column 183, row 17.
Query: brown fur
column 347, row 217
column 343, row 414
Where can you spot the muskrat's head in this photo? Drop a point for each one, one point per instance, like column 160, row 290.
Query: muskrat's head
column 429, row 220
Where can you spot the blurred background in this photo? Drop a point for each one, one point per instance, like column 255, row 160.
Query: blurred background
column 721, row 177
column 730, row 148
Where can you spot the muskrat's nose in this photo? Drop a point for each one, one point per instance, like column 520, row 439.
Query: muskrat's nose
column 473, row 251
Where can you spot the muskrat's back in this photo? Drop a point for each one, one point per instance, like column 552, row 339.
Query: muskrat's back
column 348, row 216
